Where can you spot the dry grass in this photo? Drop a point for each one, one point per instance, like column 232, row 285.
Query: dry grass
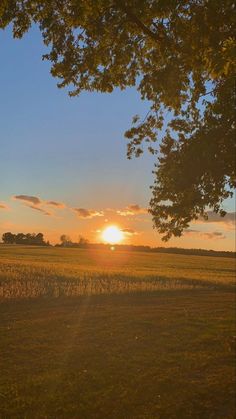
column 29, row 272
column 168, row 354
column 142, row 356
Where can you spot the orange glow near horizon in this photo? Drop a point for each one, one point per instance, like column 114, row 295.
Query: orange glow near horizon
column 112, row 235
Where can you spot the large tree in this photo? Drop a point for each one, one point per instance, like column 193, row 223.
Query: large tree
column 179, row 54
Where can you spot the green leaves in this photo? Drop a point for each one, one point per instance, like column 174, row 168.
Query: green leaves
column 197, row 172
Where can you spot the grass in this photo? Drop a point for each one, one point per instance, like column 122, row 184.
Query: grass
column 167, row 352
column 35, row 272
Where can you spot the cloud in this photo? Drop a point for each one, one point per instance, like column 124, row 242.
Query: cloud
column 216, row 218
column 205, row 235
column 4, row 206
column 227, row 222
column 87, row 213
column 39, row 209
column 133, row 209
column 28, row 198
column 129, row 231
column 56, row 204
column 32, row 202
column 36, row 203
column 7, row 225
column 213, row 235
column 35, row 200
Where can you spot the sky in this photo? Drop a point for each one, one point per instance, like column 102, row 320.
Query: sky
column 63, row 165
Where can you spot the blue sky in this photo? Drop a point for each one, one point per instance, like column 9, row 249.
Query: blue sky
column 71, row 150
column 61, row 140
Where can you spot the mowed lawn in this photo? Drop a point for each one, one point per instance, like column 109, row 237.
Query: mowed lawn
column 165, row 353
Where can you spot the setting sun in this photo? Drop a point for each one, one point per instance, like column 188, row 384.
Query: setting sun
column 112, row 234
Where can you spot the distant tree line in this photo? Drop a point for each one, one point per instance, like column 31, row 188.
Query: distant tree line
column 84, row 243
column 65, row 241
column 196, row 252
column 171, row 250
column 28, row 239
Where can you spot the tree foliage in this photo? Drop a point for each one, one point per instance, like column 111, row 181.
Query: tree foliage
column 65, row 240
column 26, row 239
column 179, row 54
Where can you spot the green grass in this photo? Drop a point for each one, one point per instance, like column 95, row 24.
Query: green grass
column 166, row 352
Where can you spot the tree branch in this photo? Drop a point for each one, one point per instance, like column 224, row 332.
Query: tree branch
column 133, row 18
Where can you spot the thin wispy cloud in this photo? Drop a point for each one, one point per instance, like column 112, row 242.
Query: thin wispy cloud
column 38, row 204
column 227, row 222
column 214, row 235
column 55, row 204
column 7, row 225
column 129, row 231
column 87, row 213
column 133, row 209
column 28, row 199
column 35, row 200
column 40, row 210
column 205, row 235
column 216, row 218
column 4, row 206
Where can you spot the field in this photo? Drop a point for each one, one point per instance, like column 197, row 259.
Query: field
column 35, row 272
column 100, row 334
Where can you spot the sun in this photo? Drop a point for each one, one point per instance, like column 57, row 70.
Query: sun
column 112, row 235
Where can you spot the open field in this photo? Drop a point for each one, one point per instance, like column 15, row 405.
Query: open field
column 33, row 272
column 158, row 343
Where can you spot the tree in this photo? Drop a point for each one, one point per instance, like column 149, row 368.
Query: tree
column 180, row 56
column 26, row 239
column 8, row 238
column 83, row 242
column 21, row 238
column 39, row 239
column 65, row 240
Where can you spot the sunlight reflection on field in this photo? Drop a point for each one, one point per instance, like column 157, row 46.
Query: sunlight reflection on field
column 33, row 272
